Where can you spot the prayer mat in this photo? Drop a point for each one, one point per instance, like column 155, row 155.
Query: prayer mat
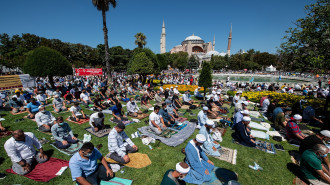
column 259, row 134
column 5, row 133
column 142, row 116
column 258, row 126
column 176, row 139
column 181, row 119
column 303, row 127
column 257, row 119
column 82, row 121
column 62, row 112
column 298, row 181
column 178, row 126
column 168, row 133
column 228, row 155
column 265, row 146
column 71, row 150
column 46, row 171
column 117, row 181
column 100, row 133
column 221, row 176
column 226, row 106
column 20, row 112
column 106, row 111
column 185, row 107
column 255, row 114
column 48, row 133
column 137, row 160
column 128, row 122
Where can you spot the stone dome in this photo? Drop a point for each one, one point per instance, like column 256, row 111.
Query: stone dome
column 193, row 37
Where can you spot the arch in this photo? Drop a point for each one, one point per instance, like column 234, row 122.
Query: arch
column 197, row 49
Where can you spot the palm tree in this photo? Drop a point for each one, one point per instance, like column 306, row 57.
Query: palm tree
column 140, row 40
column 104, row 5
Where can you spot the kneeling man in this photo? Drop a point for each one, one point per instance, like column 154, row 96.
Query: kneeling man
column 200, row 165
column 174, row 177
column 210, row 146
column 120, row 144
column 62, row 134
column 20, row 149
column 45, row 120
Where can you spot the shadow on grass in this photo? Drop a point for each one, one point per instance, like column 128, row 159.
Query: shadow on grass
column 49, row 152
column 295, row 169
column 2, row 160
column 225, row 175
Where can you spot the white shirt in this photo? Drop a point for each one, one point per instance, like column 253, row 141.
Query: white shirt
column 154, row 117
column 176, row 91
column 19, row 98
column 84, row 96
column 131, row 107
column 95, row 119
column 235, row 98
column 41, row 97
column 18, row 150
column 265, row 104
column 76, row 110
column 44, row 118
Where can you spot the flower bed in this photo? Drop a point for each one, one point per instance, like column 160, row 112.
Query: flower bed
column 288, row 99
column 182, row 88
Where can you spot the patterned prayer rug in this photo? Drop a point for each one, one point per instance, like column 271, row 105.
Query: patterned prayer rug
column 100, row 133
column 228, row 155
column 137, row 160
column 71, row 150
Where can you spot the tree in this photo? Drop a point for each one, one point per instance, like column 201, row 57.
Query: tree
column 309, row 40
column 205, row 77
column 163, row 60
column 43, row 62
column 104, row 5
column 141, row 64
column 151, row 55
column 264, row 59
column 192, row 63
column 140, row 40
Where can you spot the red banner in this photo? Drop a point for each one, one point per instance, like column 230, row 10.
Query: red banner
column 88, row 72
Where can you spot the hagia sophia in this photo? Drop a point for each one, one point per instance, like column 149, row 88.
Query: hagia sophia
column 195, row 45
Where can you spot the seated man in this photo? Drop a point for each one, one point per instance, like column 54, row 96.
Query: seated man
column 145, row 101
column 266, row 103
column 280, row 119
column 120, row 144
column 202, row 117
column 200, row 165
column 85, row 98
column 309, row 115
column 59, row 104
column 167, row 118
column 41, row 97
column 118, row 113
column 238, row 117
column 16, row 105
column 176, row 100
column 27, row 96
column 32, row 108
column 98, row 106
column 240, row 106
column 20, row 149
column 69, row 98
column 293, row 133
column 242, row 133
column 197, row 94
column 174, row 177
column 96, row 121
column 132, row 108
column 210, row 146
column 84, row 167
column 62, row 134
column 186, row 98
column 20, row 98
column 170, row 109
column 45, row 120
column 158, row 99
column 103, row 91
column 123, row 96
column 311, row 165
column 77, row 113
column 155, row 122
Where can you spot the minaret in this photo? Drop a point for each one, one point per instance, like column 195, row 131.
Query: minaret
column 163, row 40
column 229, row 40
column 214, row 43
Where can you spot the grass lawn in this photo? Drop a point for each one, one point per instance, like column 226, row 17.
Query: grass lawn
column 163, row 157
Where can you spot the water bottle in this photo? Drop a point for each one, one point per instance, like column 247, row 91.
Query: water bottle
column 150, row 147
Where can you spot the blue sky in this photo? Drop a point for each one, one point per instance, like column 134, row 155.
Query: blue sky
column 257, row 24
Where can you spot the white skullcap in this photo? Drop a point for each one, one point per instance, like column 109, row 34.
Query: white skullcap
column 205, row 108
column 200, row 138
column 167, row 88
column 56, row 96
column 325, row 133
column 239, row 92
column 245, row 102
column 218, row 92
column 180, row 169
column 41, row 106
column 209, row 122
column 245, row 118
column 171, row 87
column 199, row 87
column 297, row 117
column 245, row 112
column 213, row 92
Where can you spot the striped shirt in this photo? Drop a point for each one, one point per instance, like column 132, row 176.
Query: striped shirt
column 292, row 129
column 117, row 142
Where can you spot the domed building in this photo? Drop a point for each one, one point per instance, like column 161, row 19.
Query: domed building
column 193, row 45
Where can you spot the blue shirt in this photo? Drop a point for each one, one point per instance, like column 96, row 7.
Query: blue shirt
column 33, row 107
column 202, row 117
column 238, row 117
column 308, row 113
column 84, row 167
column 164, row 114
column 276, row 111
column 115, row 110
column 27, row 96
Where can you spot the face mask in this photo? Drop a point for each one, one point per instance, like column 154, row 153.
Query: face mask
column 61, row 124
column 43, row 111
column 133, row 103
column 87, row 155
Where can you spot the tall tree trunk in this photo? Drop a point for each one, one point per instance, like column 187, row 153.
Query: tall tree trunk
column 107, row 62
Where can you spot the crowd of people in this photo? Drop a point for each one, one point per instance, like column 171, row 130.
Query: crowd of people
column 71, row 93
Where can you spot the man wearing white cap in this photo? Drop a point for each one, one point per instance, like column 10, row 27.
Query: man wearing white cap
column 237, row 97
column 238, row 117
column 45, row 120
column 217, row 99
column 240, row 106
column 175, row 90
column 242, row 133
column 186, row 98
column 293, row 132
column 200, row 165
column 202, row 117
column 210, row 146
column 175, row 177
column 58, row 104
column 197, row 94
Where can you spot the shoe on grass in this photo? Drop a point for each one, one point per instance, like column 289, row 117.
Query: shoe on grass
column 2, row 175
